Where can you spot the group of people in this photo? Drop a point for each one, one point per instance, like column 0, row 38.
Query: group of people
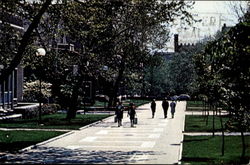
column 165, row 106
column 132, row 112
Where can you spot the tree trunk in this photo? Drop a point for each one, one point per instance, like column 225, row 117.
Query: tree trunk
column 73, row 104
column 24, row 43
column 213, row 119
column 223, row 136
column 243, row 145
column 115, row 89
column 207, row 107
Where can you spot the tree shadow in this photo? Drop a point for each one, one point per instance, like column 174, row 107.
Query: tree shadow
column 200, row 139
column 176, row 144
column 196, row 159
column 56, row 155
column 141, row 109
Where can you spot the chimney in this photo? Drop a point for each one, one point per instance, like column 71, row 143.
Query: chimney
column 223, row 27
column 176, row 44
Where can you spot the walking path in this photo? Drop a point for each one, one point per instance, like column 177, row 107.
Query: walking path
column 152, row 141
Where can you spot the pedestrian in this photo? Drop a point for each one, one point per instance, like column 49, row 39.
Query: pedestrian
column 172, row 105
column 153, row 107
column 132, row 113
column 119, row 113
column 165, row 106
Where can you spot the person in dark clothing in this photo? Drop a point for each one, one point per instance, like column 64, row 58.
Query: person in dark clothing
column 119, row 113
column 153, row 107
column 165, row 106
column 131, row 113
column 172, row 105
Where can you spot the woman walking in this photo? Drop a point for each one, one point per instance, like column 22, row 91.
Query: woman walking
column 131, row 114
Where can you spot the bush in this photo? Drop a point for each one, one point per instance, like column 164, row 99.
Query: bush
column 31, row 92
column 50, row 108
column 32, row 111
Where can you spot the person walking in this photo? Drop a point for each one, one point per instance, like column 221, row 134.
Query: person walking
column 153, row 107
column 132, row 113
column 165, row 106
column 172, row 105
column 119, row 113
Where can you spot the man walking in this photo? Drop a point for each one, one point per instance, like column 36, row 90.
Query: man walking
column 165, row 106
column 172, row 105
column 132, row 113
column 153, row 107
column 119, row 113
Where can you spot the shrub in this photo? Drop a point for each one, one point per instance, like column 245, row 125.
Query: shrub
column 31, row 92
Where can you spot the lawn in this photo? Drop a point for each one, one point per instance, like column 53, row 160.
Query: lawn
column 137, row 102
column 194, row 103
column 12, row 141
column 197, row 123
column 55, row 121
column 207, row 150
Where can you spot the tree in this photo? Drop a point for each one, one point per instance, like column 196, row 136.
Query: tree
column 108, row 33
column 25, row 38
column 116, row 33
column 225, row 64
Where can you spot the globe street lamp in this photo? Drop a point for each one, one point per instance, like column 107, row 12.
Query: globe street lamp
column 40, row 52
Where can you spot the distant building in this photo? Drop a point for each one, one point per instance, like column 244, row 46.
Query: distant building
column 208, row 25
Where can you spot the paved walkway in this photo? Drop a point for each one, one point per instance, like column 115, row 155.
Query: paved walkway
column 152, row 141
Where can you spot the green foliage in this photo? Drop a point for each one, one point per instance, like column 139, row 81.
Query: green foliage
column 223, row 71
column 117, row 34
column 31, row 91
column 182, row 74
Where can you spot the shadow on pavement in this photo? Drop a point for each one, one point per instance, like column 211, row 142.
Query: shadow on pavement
column 52, row 155
column 141, row 109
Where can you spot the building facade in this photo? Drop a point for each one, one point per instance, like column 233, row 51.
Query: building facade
column 11, row 90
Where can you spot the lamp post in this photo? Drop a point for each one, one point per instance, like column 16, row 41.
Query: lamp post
column 40, row 52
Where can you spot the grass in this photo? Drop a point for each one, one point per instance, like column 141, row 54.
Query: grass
column 194, row 103
column 126, row 102
column 54, row 121
column 12, row 141
column 197, row 123
column 137, row 102
column 195, row 106
column 207, row 150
